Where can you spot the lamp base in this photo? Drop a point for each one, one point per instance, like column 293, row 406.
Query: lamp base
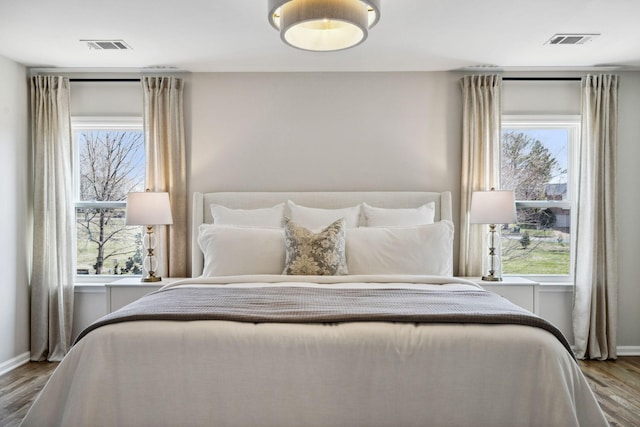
column 151, row 279
column 492, row 278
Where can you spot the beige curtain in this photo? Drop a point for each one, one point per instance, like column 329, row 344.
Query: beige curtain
column 166, row 167
column 481, row 96
column 52, row 259
column 596, row 280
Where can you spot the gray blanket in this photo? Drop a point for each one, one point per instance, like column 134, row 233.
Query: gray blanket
column 288, row 304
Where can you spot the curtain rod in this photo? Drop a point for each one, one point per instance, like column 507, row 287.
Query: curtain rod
column 577, row 79
column 103, row 80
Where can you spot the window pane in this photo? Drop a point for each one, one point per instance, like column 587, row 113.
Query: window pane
column 111, row 163
column 539, row 243
column 105, row 245
column 534, row 163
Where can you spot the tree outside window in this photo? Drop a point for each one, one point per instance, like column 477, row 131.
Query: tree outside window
column 110, row 164
column 536, row 163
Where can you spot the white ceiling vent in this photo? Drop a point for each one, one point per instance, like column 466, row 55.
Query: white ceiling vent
column 571, row 38
column 107, row 44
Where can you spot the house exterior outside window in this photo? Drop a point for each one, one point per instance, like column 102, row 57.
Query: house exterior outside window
column 538, row 162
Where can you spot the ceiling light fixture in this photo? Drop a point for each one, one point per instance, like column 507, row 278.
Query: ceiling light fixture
column 323, row 25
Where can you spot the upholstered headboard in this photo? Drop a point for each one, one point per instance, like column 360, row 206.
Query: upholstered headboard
column 328, row 200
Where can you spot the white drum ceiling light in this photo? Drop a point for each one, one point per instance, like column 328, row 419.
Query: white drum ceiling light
column 323, row 25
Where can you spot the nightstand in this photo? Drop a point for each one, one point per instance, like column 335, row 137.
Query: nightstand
column 123, row 291
column 518, row 290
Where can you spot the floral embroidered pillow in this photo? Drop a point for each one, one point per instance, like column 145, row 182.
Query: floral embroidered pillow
column 315, row 254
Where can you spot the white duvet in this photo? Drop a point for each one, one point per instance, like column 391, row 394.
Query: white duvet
column 219, row 373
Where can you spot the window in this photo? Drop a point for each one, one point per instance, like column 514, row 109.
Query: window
column 538, row 164
column 109, row 164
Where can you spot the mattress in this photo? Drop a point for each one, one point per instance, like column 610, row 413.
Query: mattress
column 140, row 372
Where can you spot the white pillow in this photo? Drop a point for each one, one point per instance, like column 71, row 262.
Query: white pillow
column 231, row 251
column 383, row 217
column 424, row 249
column 316, row 218
column 263, row 217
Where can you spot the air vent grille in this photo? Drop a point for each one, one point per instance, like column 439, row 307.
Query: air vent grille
column 107, row 44
column 564, row 39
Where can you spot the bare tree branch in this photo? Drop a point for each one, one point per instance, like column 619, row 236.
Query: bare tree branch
column 111, row 165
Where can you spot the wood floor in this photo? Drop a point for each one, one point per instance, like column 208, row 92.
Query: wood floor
column 19, row 388
column 615, row 383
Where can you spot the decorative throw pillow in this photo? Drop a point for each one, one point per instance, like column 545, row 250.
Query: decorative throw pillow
column 316, row 254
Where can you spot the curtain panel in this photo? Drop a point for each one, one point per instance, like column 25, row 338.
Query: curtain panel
column 53, row 220
column 596, row 280
column 482, row 109
column 166, row 167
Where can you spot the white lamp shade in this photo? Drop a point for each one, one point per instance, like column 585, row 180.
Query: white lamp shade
column 493, row 207
column 148, row 208
column 323, row 25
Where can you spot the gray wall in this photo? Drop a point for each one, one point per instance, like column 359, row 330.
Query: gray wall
column 324, row 132
column 628, row 207
column 14, row 260
column 387, row 131
column 372, row 131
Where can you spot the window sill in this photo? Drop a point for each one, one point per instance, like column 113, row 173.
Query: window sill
column 103, row 278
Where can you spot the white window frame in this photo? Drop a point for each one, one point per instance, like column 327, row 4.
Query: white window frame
column 96, row 123
column 572, row 123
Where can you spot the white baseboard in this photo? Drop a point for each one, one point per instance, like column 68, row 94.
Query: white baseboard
column 628, row 350
column 12, row 364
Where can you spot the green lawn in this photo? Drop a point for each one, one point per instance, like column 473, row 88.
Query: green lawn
column 124, row 246
column 543, row 256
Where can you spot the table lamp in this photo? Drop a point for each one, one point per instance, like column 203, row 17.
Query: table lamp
column 493, row 207
column 149, row 209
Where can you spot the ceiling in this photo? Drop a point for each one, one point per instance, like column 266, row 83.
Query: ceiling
column 234, row 35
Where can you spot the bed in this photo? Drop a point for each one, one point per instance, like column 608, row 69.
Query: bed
column 389, row 339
